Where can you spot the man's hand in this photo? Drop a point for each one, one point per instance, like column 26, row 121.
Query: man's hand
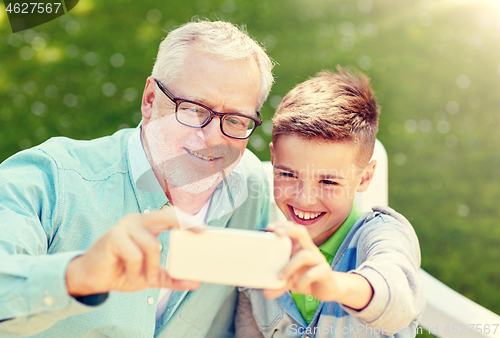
column 126, row 258
column 309, row 273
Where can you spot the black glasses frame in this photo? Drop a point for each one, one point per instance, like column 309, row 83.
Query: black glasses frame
column 178, row 101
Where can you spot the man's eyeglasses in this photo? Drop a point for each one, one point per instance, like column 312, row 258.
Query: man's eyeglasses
column 197, row 115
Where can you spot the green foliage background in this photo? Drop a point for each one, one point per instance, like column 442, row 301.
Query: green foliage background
column 434, row 65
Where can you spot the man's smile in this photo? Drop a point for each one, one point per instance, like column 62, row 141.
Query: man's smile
column 201, row 156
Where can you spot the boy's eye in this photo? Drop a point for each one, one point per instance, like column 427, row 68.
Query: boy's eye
column 328, row 182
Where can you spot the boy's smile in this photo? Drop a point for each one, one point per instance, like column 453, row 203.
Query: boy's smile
column 304, row 217
column 315, row 182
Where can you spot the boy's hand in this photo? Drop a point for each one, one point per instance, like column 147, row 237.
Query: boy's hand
column 307, row 272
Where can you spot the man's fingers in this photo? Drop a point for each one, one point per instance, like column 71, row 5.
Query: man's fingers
column 130, row 254
column 188, row 221
column 149, row 245
column 165, row 281
column 184, row 285
column 159, row 221
column 169, row 218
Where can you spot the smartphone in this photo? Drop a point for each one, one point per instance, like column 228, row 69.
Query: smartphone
column 229, row 256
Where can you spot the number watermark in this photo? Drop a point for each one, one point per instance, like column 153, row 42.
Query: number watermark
column 24, row 14
column 462, row 329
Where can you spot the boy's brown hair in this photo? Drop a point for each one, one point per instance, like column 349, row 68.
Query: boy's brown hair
column 331, row 107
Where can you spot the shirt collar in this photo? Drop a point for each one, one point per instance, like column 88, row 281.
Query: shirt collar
column 142, row 173
column 331, row 246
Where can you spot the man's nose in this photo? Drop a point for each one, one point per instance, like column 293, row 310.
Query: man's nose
column 211, row 133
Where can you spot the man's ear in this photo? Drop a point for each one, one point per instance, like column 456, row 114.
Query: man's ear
column 148, row 98
column 367, row 176
column 271, row 147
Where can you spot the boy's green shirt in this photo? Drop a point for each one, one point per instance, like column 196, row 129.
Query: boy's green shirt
column 307, row 305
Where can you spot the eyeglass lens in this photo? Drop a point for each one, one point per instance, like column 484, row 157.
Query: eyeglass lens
column 232, row 125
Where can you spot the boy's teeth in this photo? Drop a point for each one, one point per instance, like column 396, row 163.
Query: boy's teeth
column 305, row 214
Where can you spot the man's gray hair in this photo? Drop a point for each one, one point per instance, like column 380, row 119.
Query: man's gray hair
column 221, row 39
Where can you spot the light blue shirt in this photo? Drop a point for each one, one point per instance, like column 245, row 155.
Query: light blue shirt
column 58, row 198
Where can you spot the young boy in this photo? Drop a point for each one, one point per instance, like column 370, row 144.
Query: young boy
column 350, row 274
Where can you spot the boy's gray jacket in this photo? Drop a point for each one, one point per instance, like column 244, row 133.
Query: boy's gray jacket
column 382, row 247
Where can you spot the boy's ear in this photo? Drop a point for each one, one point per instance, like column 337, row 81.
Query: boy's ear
column 272, row 152
column 367, row 176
